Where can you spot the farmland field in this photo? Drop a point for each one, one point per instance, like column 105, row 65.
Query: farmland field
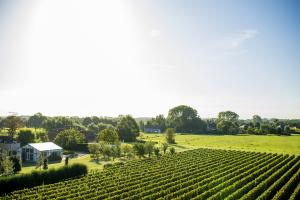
column 259, row 143
column 192, row 174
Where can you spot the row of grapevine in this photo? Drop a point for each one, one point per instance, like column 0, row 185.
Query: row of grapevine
column 195, row 174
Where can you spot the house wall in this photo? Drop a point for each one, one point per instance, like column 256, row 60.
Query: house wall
column 26, row 153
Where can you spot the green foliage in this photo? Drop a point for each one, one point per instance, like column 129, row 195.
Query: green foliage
column 185, row 119
column 164, row 147
column 256, row 119
column 45, row 163
column 170, row 136
column 95, row 151
column 127, row 150
column 41, row 135
column 36, row 178
column 106, row 150
column 149, row 148
column 172, row 150
column 6, row 165
column 139, row 148
column 36, row 121
column 109, row 136
column 128, row 128
column 57, row 123
column 40, row 160
column 159, row 122
column 13, row 123
column 54, row 157
column 25, row 136
column 68, row 138
column 81, row 147
column 227, row 122
column 116, row 150
column 156, row 151
column 16, row 163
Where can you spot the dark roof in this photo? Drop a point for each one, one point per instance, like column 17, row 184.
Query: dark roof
column 6, row 139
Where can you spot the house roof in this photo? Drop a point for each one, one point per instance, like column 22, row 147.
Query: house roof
column 45, row 146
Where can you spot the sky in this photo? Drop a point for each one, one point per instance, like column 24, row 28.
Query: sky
column 142, row 57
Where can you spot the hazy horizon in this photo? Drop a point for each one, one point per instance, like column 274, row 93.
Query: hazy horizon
column 111, row 57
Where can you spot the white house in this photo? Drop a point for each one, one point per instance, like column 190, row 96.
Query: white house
column 32, row 151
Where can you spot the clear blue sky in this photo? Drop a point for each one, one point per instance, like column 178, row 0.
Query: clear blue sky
column 144, row 57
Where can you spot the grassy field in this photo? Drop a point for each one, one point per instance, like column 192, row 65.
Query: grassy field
column 266, row 143
column 27, row 168
column 261, row 143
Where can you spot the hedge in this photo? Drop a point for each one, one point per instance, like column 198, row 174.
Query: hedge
column 82, row 147
column 9, row 184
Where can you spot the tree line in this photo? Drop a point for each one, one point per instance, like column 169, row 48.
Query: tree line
column 183, row 119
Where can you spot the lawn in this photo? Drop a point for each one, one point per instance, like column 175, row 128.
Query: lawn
column 27, row 168
column 261, row 143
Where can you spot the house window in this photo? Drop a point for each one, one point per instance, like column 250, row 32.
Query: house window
column 31, row 156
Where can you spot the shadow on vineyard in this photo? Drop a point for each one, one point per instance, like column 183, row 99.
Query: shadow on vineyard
column 192, row 174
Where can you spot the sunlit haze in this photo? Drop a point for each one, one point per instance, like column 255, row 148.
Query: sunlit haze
column 111, row 57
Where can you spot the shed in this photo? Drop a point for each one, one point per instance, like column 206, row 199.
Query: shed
column 32, row 151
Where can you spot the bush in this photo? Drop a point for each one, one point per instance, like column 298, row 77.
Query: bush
column 82, row 147
column 172, row 150
column 55, row 157
column 9, row 184
column 16, row 163
column 68, row 152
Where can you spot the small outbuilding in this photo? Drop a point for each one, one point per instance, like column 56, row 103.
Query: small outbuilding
column 32, row 151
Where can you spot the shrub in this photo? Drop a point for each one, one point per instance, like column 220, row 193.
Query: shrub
column 82, row 147
column 45, row 164
column 16, row 163
column 55, row 157
column 12, row 183
column 68, row 152
column 172, row 150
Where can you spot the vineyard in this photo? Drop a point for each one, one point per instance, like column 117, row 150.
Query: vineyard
column 194, row 174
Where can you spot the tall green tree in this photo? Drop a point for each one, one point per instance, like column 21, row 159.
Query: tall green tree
column 36, row 121
column 25, row 136
column 149, row 148
column 185, row 119
column 128, row 128
column 95, row 151
column 68, row 138
column 41, row 135
column 6, row 164
column 170, row 136
column 139, row 149
column 109, row 136
column 127, row 150
column 54, row 123
column 13, row 123
column 257, row 121
column 227, row 122
column 164, row 147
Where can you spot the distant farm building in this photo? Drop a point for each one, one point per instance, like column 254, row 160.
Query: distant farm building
column 152, row 130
